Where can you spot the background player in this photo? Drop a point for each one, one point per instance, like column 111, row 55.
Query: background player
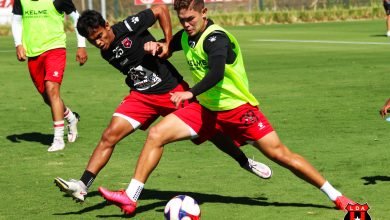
column 38, row 31
column 386, row 6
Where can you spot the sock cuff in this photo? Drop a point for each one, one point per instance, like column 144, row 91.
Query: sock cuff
column 58, row 123
column 134, row 189
column 67, row 110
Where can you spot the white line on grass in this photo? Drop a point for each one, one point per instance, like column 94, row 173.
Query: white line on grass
column 322, row 42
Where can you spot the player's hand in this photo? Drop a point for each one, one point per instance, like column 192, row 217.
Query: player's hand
column 157, row 48
column 81, row 55
column 164, row 51
column 152, row 48
column 385, row 109
column 179, row 97
column 21, row 53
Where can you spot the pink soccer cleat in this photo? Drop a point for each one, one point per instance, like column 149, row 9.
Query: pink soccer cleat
column 120, row 199
column 341, row 202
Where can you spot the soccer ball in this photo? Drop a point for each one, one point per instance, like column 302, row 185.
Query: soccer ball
column 182, row 207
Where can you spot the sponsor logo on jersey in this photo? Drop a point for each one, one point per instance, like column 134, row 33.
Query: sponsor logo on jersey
column 135, row 20
column 197, row 64
column 212, row 38
column 35, row 13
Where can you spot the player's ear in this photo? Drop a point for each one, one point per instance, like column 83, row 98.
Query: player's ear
column 204, row 12
column 107, row 26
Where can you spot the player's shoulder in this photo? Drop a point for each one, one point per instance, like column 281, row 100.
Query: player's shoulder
column 66, row 6
column 216, row 36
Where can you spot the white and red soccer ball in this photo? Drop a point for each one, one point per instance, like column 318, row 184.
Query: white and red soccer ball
column 182, row 207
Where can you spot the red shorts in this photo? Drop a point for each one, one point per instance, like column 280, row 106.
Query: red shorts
column 48, row 66
column 141, row 110
column 243, row 124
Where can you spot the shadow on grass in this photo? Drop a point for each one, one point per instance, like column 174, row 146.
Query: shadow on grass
column 165, row 196
column 371, row 180
column 44, row 139
column 378, row 35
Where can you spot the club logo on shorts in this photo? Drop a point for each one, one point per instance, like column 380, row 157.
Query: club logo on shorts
column 55, row 74
column 127, row 42
column 249, row 118
column 357, row 212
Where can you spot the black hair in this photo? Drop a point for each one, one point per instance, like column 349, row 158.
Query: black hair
column 88, row 21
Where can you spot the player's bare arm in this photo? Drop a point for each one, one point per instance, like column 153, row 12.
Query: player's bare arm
column 161, row 13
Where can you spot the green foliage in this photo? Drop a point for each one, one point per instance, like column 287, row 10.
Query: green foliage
column 321, row 97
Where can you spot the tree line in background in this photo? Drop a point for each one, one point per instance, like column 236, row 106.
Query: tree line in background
column 121, row 8
column 251, row 12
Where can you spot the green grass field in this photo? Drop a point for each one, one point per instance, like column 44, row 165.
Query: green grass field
column 321, row 86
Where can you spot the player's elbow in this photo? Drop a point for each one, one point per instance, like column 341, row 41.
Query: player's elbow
column 159, row 10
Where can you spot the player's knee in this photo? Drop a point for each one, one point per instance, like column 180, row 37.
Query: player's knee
column 281, row 154
column 156, row 135
column 109, row 138
column 52, row 89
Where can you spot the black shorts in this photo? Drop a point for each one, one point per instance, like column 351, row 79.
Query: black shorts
column 386, row 5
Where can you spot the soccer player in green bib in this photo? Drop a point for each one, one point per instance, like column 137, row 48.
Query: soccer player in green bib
column 225, row 105
column 38, row 31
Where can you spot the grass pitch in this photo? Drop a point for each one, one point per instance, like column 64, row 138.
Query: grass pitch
column 320, row 85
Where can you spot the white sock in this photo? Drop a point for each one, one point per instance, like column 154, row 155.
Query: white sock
column 330, row 191
column 59, row 129
column 134, row 189
column 69, row 116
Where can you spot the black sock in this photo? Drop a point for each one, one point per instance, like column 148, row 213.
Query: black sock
column 241, row 159
column 87, row 178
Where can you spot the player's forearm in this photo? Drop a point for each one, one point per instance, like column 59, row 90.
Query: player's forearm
column 162, row 15
column 215, row 74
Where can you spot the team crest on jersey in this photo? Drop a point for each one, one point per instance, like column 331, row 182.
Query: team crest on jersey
column 249, row 118
column 357, row 212
column 127, row 42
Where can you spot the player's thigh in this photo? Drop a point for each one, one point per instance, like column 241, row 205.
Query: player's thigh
column 36, row 68
column 55, row 61
column 171, row 128
column 271, row 145
column 117, row 129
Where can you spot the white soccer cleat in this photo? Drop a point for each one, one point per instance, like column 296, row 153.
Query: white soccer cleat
column 388, row 34
column 57, row 145
column 259, row 169
column 72, row 129
column 75, row 188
